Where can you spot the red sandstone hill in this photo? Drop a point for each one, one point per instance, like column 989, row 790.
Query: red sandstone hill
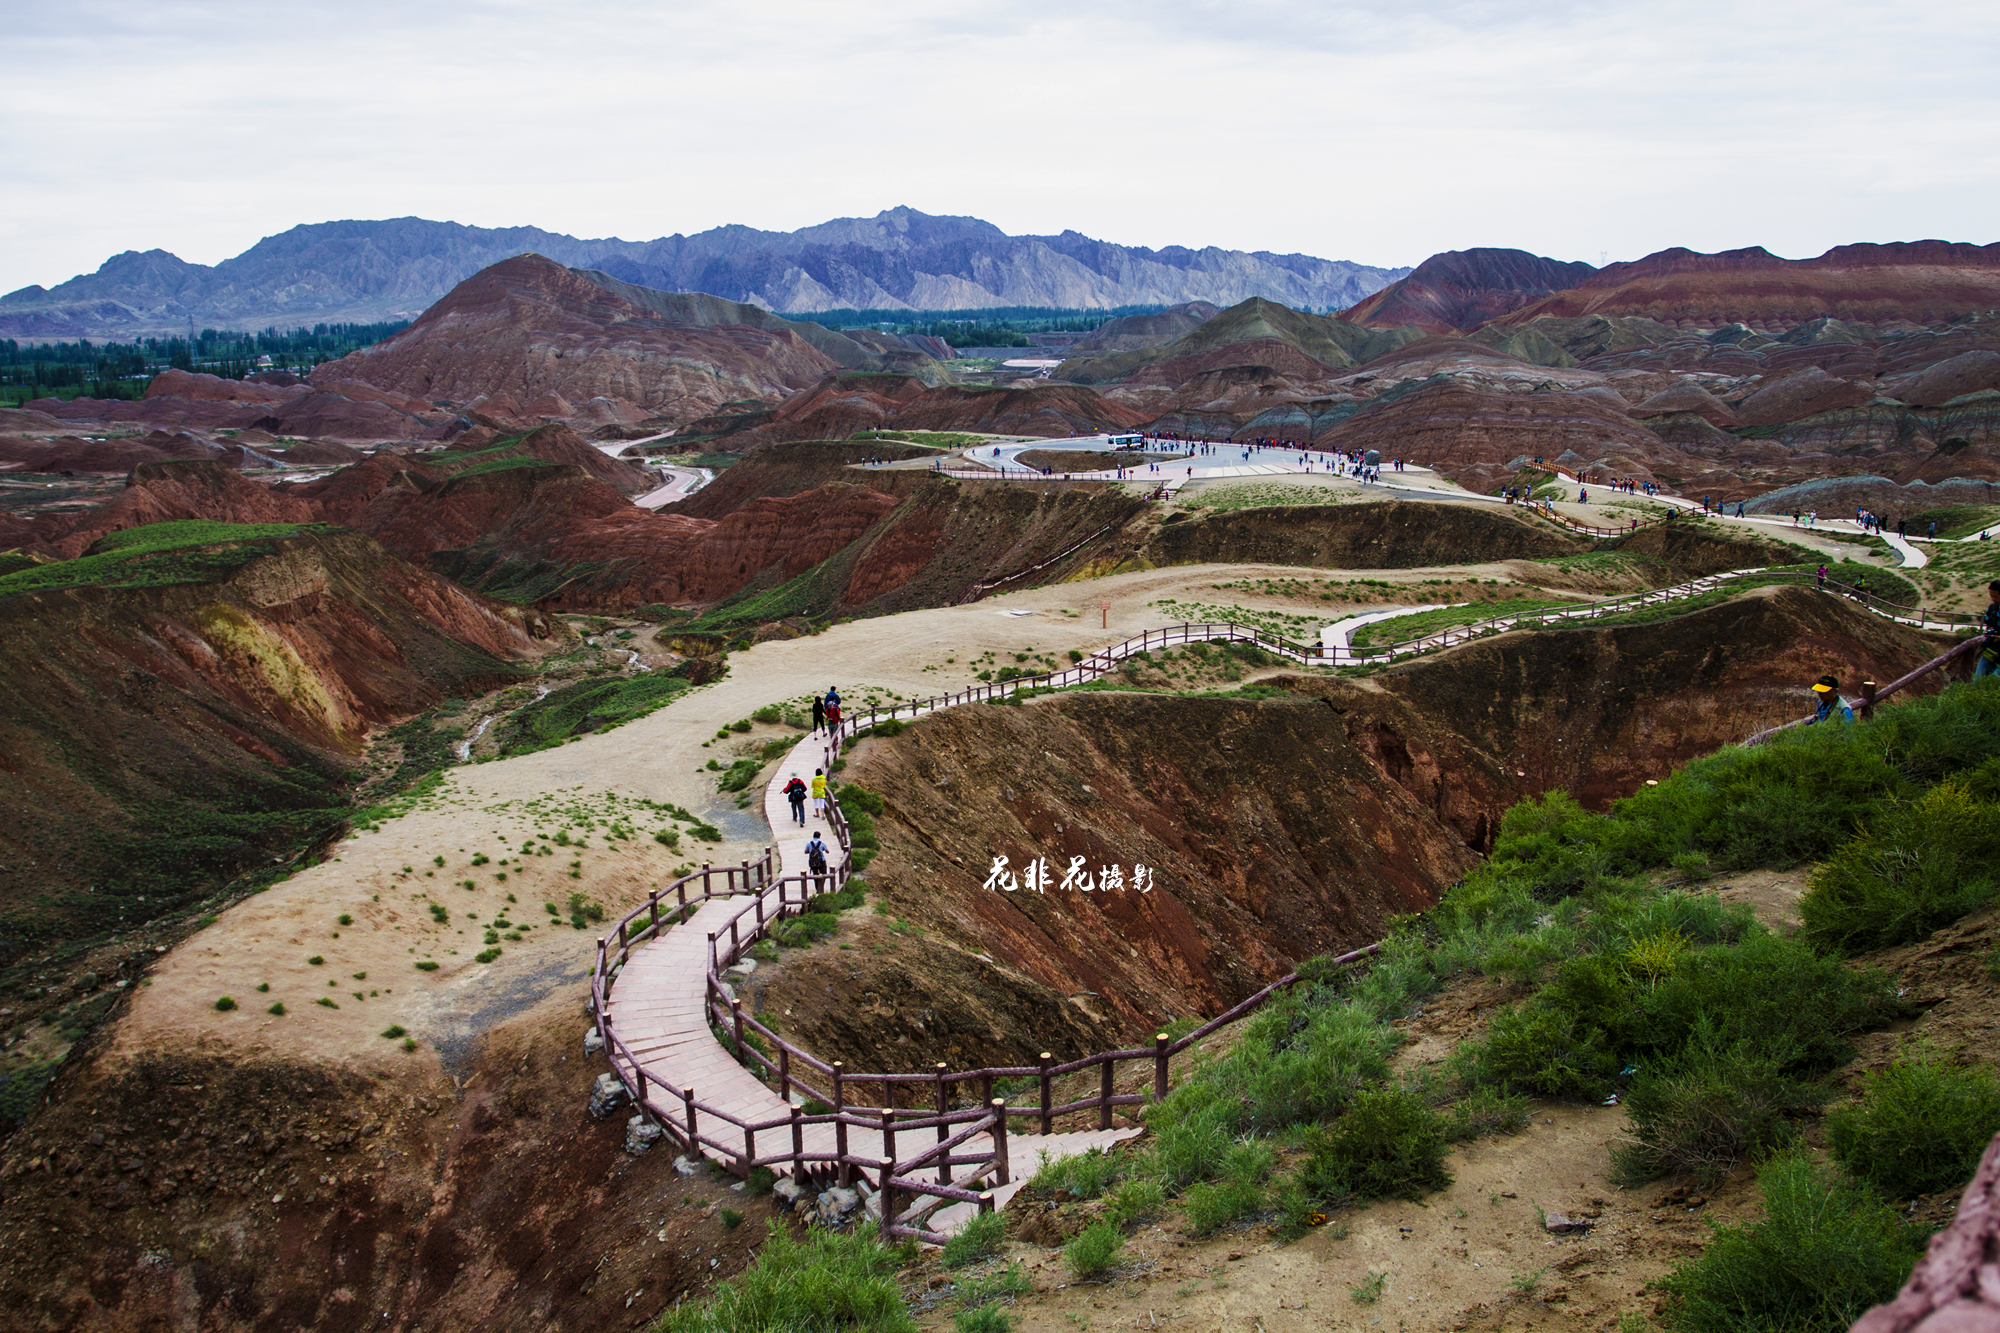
column 1921, row 282
column 1459, row 290
column 534, row 338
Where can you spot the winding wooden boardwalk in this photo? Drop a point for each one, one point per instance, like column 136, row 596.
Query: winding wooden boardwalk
column 657, row 1010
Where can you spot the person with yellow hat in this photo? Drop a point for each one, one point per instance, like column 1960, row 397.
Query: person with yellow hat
column 1988, row 661
column 1828, row 703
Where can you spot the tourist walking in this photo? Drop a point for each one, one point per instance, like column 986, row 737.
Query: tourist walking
column 819, row 792
column 795, row 792
column 816, row 854
column 819, row 714
column 1821, row 577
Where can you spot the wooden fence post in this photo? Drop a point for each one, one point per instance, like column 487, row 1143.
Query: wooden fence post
column 694, row 1140
column 843, row 1170
column 1867, row 699
column 784, row 1071
column 1104, row 1095
column 889, row 1136
column 999, row 1105
column 1159, row 1067
column 1048, row 1122
column 888, row 1198
column 943, row 1132
column 798, row 1144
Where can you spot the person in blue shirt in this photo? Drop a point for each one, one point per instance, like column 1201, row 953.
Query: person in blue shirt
column 1827, row 702
column 1988, row 661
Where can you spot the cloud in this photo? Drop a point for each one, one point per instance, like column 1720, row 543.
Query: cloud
column 1346, row 130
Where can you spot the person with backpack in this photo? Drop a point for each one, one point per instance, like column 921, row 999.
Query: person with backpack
column 1861, row 587
column 819, row 792
column 1828, row 703
column 816, row 854
column 819, row 714
column 795, row 792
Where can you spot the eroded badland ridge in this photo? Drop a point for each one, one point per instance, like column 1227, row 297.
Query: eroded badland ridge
column 348, row 706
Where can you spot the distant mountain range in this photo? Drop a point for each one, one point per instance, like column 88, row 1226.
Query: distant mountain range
column 899, row 259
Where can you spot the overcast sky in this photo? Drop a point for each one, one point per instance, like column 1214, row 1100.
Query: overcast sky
column 1376, row 132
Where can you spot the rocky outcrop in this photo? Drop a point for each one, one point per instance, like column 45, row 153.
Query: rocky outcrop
column 182, row 489
column 842, row 404
column 1922, row 282
column 1687, row 396
column 1459, row 290
column 1131, row 332
column 1936, row 385
column 198, row 709
column 529, row 331
column 1475, row 436
column 1801, row 394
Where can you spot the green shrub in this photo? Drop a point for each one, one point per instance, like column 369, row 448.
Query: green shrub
column 974, row 1292
column 486, row 955
column 1919, row 1127
column 1096, row 1249
column 1774, row 994
column 278, row 1009
column 1533, row 1049
column 1703, row 1109
column 393, row 1030
column 978, row 1239
column 1389, row 1144
column 1136, row 1200
column 1917, row 866
column 740, row 775
column 821, row 1282
column 1213, row 1207
column 982, row 1319
column 769, row 714
column 426, row 966
column 1084, row 1175
column 1485, row 1111
column 731, row 1219
column 797, row 932
column 225, row 1004
column 1826, row 1251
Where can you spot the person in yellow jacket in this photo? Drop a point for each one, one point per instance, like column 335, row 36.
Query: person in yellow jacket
column 819, row 792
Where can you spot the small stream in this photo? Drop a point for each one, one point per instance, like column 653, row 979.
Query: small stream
column 464, row 747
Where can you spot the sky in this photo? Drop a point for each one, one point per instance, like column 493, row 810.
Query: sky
column 1380, row 133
